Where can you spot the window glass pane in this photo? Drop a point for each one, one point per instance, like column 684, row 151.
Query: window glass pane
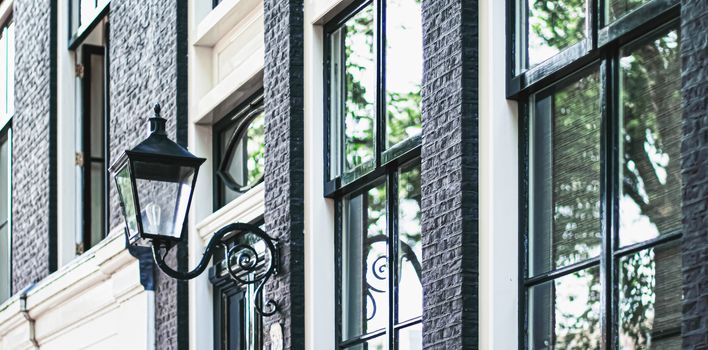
column 98, row 170
column 411, row 337
column 553, row 26
column 84, row 12
column 650, row 298
column 359, row 89
column 379, row 343
column 404, row 69
column 565, row 313
column 96, row 104
column 241, row 149
column 650, row 80
column 336, row 105
column 410, row 297
column 565, row 178
column 4, row 44
column 5, row 243
column 11, row 69
column 365, row 264
column 618, row 8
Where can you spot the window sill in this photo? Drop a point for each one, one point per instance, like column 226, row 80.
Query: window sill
column 235, row 88
column 246, row 208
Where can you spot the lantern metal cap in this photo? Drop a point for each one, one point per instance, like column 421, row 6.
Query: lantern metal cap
column 158, row 146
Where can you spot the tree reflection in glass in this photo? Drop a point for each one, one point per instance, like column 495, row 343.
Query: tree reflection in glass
column 650, row 80
column 552, row 27
column 404, row 70
column 565, row 313
column 566, row 176
column 618, row 8
column 365, row 264
column 410, row 290
column 359, row 87
column 650, row 299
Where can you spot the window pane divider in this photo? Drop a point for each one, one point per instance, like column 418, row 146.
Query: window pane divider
column 362, row 338
column 631, row 249
column 560, row 272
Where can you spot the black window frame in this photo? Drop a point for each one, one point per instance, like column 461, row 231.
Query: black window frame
column 650, row 20
column 240, row 118
column 384, row 169
column 85, row 158
column 383, row 157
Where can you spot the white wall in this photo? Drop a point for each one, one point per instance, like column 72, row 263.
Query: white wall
column 498, row 197
column 226, row 57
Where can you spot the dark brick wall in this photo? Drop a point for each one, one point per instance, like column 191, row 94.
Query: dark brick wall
column 694, row 54
column 284, row 194
column 145, row 69
column 33, row 143
column 449, row 181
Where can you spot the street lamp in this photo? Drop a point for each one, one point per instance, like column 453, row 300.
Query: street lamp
column 155, row 182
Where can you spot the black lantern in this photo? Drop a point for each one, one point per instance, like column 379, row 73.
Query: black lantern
column 155, row 181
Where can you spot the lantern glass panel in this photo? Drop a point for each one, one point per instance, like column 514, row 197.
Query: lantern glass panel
column 125, row 190
column 164, row 192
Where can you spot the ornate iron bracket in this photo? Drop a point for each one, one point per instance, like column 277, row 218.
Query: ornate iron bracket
column 245, row 263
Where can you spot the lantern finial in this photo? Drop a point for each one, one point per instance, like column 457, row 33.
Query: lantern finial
column 157, row 123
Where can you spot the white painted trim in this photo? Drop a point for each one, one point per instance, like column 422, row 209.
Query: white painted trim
column 66, row 144
column 221, row 20
column 498, row 186
column 319, row 211
column 246, row 208
column 101, row 285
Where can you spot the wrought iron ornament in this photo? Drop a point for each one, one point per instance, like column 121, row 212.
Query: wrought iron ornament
column 247, row 262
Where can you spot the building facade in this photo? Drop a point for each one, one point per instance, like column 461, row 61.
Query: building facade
column 437, row 174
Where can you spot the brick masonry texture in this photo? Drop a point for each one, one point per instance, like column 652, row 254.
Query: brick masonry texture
column 449, row 181
column 143, row 71
column 31, row 142
column 694, row 55
column 284, row 166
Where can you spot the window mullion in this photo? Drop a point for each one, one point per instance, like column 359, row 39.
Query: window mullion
column 380, row 35
column 607, row 147
column 392, row 226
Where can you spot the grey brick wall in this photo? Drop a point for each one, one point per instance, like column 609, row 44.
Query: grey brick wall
column 449, row 181
column 694, row 54
column 144, row 69
column 284, row 194
column 33, row 143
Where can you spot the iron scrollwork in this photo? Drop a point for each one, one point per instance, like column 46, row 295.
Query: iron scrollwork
column 251, row 258
column 379, row 269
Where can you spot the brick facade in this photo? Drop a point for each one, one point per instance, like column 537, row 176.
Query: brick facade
column 34, row 143
column 694, row 53
column 144, row 70
column 449, row 181
column 284, row 166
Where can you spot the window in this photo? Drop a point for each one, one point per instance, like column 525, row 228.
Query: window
column 602, row 227
column 84, row 16
column 5, row 215
column 372, row 128
column 91, row 135
column 237, row 325
column 239, row 145
column 7, row 99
